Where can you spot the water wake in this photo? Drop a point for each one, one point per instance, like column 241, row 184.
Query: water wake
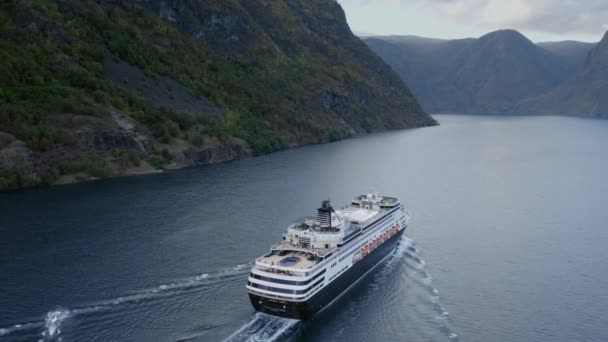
column 52, row 324
column 204, row 279
column 394, row 260
column 263, row 327
column 54, row 319
column 425, row 280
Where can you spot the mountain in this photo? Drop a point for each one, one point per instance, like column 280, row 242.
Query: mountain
column 491, row 74
column 583, row 94
column 101, row 88
column 422, row 63
column 571, row 51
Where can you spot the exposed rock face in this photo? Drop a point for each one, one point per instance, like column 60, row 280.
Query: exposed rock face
column 164, row 92
column 129, row 126
column 217, row 23
column 105, row 140
column 16, row 156
column 215, row 152
column 5, row 139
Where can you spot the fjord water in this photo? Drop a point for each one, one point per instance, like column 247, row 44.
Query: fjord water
column 507, row 243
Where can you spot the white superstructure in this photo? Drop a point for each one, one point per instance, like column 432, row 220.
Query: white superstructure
column 316, row 251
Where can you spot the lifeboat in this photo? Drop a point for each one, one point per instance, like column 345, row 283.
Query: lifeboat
column 365, row 250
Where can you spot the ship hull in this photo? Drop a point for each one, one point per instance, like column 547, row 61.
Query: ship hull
column 330, row 293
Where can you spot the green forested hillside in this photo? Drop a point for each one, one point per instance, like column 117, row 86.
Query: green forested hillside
column 102, row 88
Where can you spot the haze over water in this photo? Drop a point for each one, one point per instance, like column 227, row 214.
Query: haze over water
column 507, row 243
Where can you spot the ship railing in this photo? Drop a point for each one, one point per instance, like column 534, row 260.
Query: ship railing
column 280, row 271
column 265, row 294
column 298, row 298
column 286, row 246
column 406, row 212
column 325, row 232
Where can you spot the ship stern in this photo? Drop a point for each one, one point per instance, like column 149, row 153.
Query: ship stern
column 281, row 308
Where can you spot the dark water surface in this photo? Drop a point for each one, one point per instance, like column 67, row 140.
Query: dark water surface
column 509, row 241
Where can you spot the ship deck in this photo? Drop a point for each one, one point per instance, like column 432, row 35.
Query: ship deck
column 298, row 253
column 286, row 246
column 284, row 250
column 279, row 260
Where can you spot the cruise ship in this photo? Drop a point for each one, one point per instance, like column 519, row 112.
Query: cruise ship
column 321, row 257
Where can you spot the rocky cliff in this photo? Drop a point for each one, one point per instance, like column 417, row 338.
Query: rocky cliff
column 102, row 88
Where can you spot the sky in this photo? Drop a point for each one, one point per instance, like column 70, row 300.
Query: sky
column 539, row 20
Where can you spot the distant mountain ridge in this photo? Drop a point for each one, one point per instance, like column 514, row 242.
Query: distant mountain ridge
column 493, row 74
column 574, row 52
column 585, row 93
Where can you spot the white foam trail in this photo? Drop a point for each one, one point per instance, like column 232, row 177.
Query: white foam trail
column 193, row 335
column 427, row 281
column 403, row 245
column 202, row 279
column 53, row 319
column 52, row 324
column 262, row 327
column 254, row 320
column 22, row 326
column 285, row 325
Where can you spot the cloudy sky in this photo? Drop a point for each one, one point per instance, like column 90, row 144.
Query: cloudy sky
column 539, row 20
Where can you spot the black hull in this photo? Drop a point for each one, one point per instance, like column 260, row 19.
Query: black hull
column 306, row 310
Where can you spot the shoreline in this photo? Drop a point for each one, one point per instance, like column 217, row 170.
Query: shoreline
column 80, row 178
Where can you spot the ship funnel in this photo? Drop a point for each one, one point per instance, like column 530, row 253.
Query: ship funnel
column 324, row 214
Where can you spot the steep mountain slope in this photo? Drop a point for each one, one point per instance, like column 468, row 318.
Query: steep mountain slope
column 422, row 63
column 502, row 68
column 584, row 94
column 107, row 87
column 572, row 52
column 483, row 76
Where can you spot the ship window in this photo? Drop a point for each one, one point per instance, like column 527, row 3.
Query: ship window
column 288, row 291
column 326, row 245
column 284, row 281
